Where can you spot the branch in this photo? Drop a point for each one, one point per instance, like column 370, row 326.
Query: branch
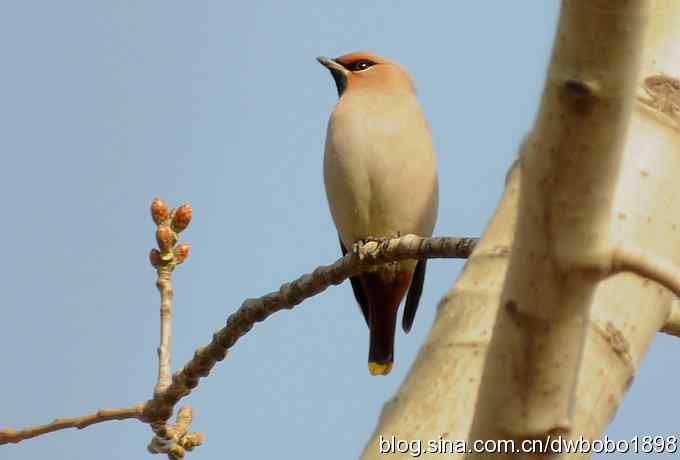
column 170, row 439
column 9, row 435
column 158, row 410
column 164, row 259
column 164, row 284
column 647, row 265
column 290, row 294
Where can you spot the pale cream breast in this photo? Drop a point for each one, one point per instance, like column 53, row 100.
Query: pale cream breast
column 380, row 167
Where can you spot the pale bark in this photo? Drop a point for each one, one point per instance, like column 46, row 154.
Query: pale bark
column 672, row 324
column 536, row 338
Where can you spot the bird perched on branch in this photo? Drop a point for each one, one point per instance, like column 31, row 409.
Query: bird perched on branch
column 381, row 181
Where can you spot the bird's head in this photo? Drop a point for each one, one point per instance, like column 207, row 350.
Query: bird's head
column 367, row 71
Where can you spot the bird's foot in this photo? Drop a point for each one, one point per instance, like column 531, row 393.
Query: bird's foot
column 368, row 246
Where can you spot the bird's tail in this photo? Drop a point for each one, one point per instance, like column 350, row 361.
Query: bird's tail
column 384, row 294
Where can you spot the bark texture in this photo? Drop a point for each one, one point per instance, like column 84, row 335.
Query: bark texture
column 539, row 336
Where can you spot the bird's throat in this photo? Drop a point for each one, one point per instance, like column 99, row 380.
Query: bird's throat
column 340, row 80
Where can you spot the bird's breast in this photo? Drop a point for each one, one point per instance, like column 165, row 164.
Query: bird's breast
column 380, row 168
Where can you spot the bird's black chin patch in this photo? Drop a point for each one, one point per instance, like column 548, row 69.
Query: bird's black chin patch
column 340, row 80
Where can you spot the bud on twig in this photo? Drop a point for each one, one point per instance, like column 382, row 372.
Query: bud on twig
column 181, row 253
column 165, row 238
column 191, row 440
column 181, row 217
column 176, row 452
column 155, row 258
column 159, row 211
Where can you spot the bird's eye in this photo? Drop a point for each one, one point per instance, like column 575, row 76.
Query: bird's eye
column 360, row 65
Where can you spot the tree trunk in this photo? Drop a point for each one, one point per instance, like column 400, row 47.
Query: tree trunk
column 538, row 336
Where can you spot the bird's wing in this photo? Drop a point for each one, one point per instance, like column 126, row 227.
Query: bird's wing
column 358, row 289
column 413, row 296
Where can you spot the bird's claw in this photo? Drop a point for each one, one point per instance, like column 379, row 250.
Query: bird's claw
column 363, row 247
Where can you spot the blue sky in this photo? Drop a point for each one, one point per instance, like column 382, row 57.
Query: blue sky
column 107, row 104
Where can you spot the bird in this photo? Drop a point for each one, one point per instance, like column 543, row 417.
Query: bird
column 380, row 176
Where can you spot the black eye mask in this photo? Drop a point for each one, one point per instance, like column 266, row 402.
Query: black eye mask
column 358, row 66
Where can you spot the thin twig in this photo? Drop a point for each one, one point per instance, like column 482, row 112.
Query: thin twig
column 164, row 284
column 8, row 435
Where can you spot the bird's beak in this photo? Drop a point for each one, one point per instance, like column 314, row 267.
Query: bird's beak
column 330, row 64
column 338, row 72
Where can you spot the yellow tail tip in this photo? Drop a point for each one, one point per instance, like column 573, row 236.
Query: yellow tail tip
column 379, row 368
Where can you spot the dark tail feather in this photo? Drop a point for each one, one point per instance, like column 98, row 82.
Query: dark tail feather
column 413, row 296
column 383, row 298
